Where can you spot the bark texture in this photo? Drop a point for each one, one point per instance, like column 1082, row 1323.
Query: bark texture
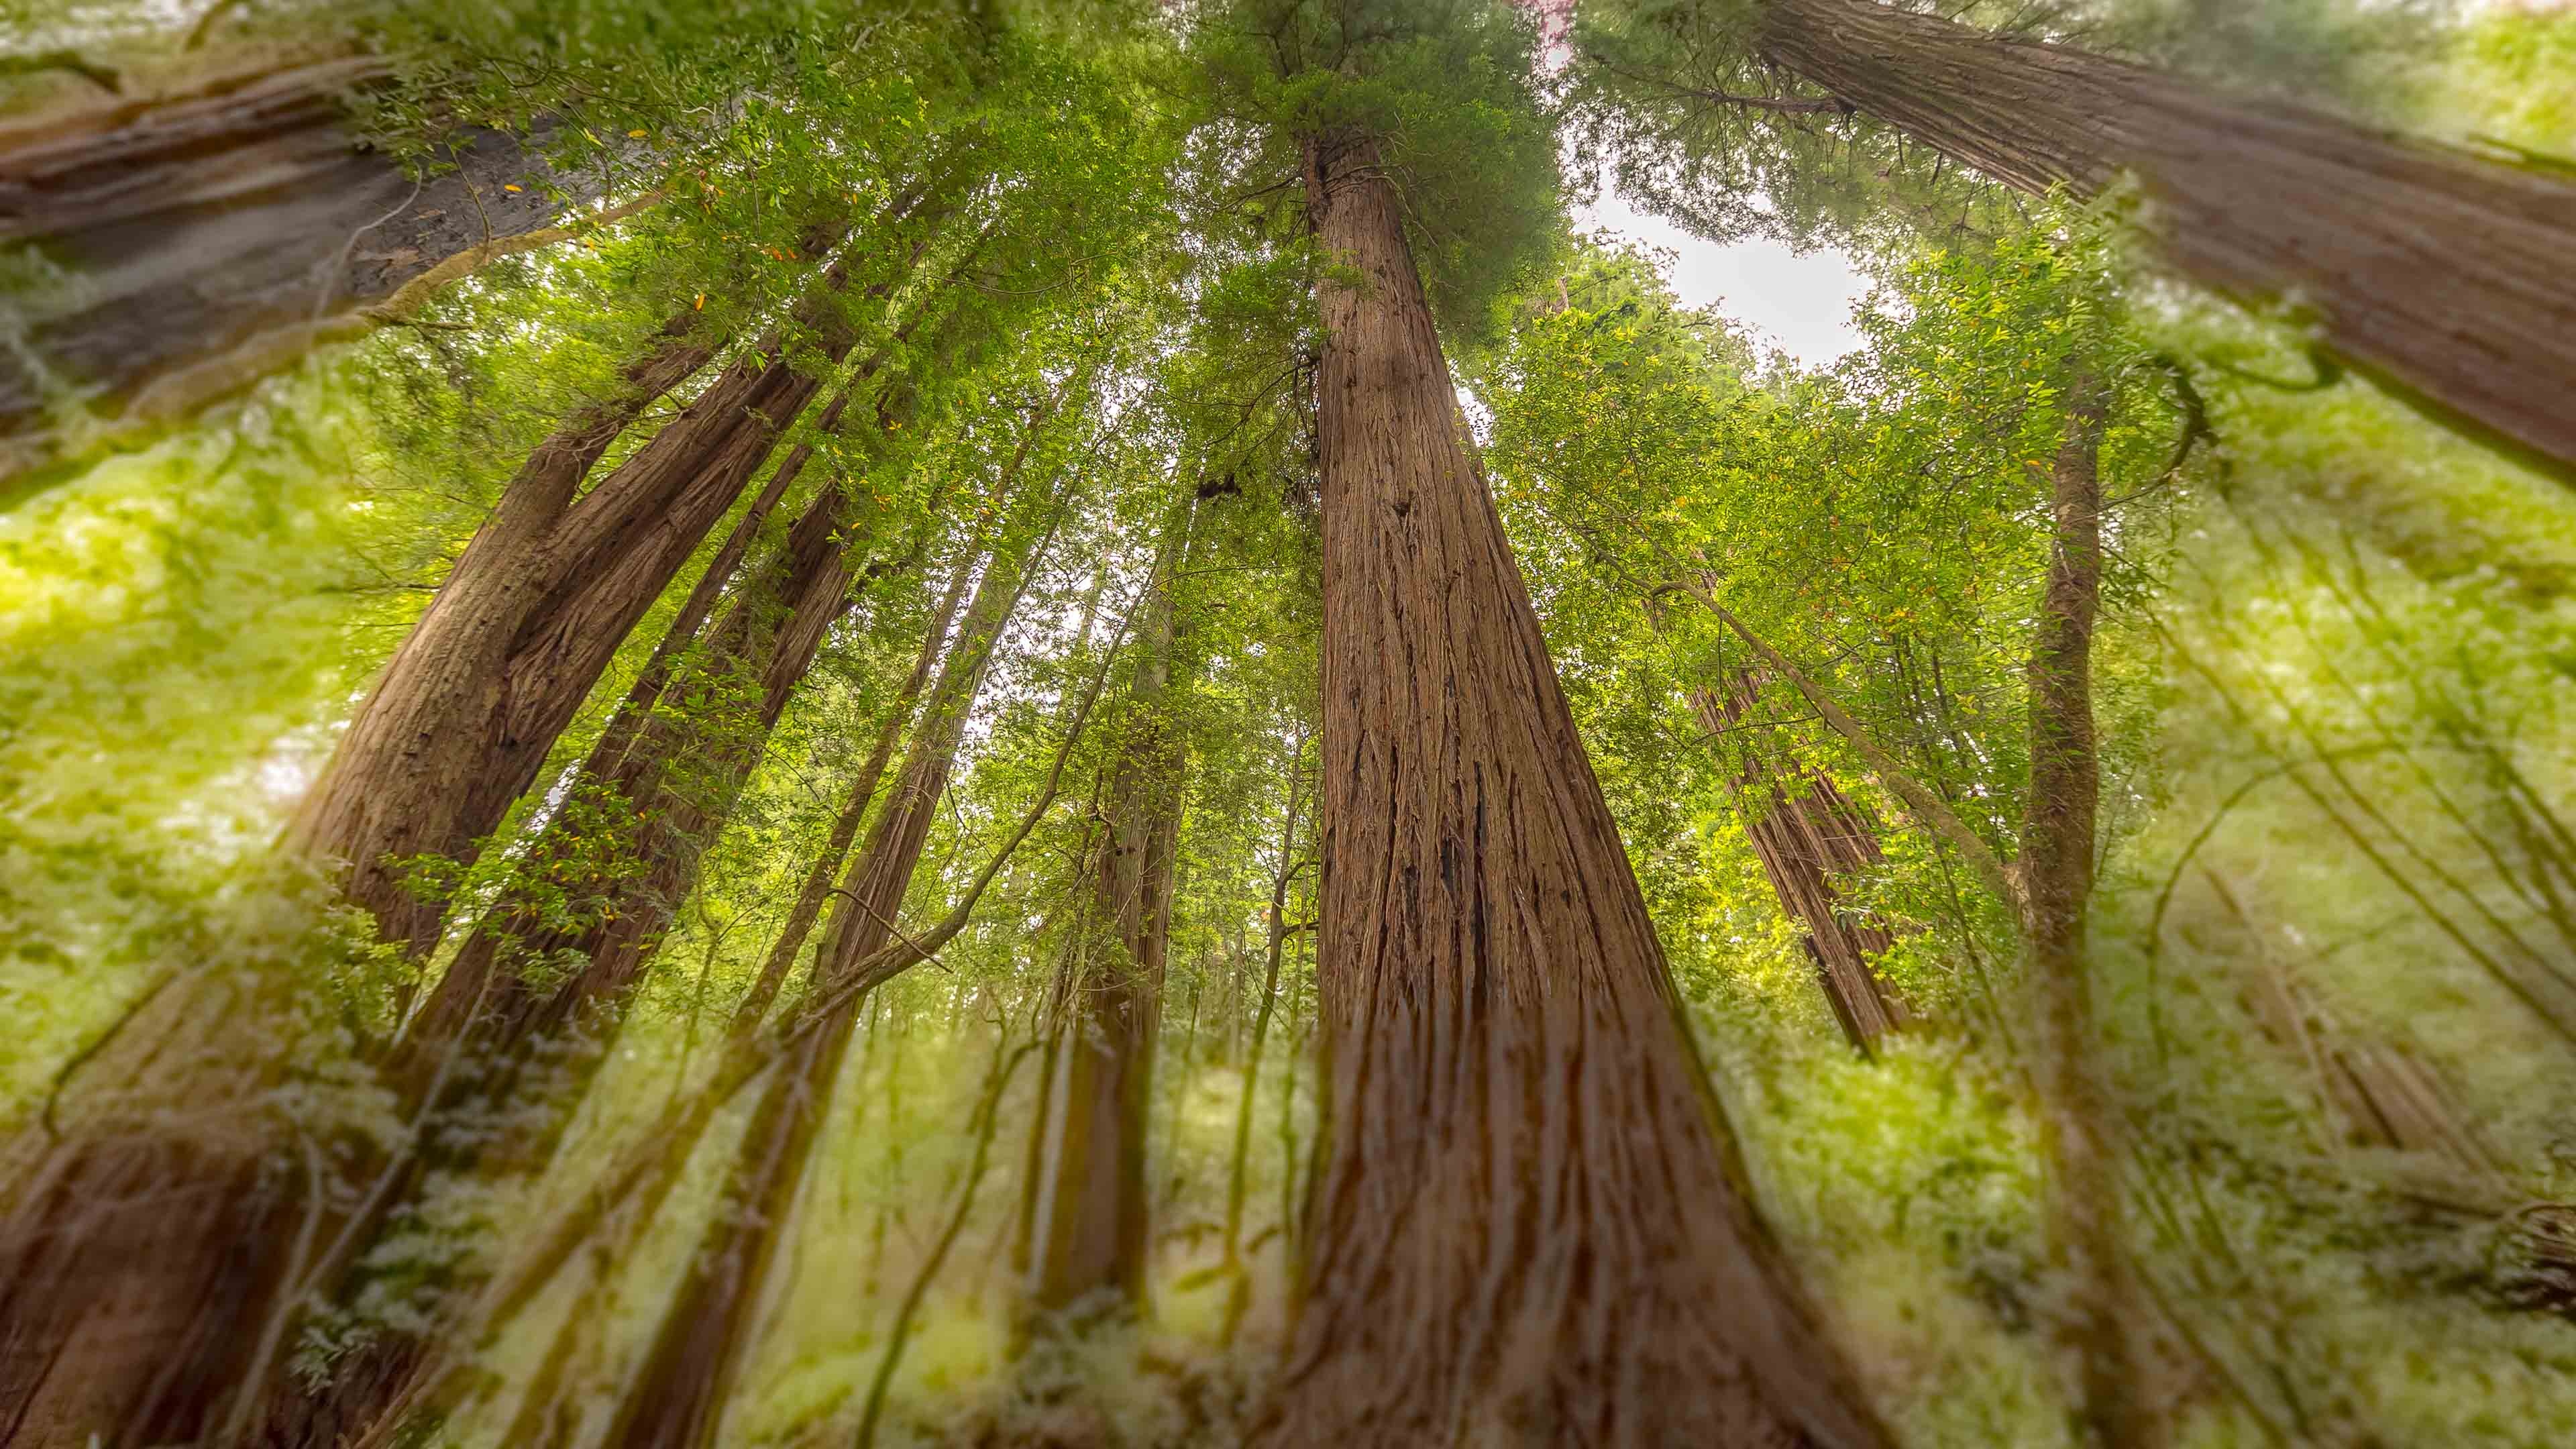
column 1528, row 1223
column 139, row 1249
column 500, row 1058
column 211, row 237
column 1087, row 1215
column 2439, row 271
column 535, row 609
column 676, row 773
column 1805, row 839
column 2100, row 1325
column 677, row 1398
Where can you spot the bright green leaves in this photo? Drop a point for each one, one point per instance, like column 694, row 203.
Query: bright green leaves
column 1447, row 88
column 1883, row 524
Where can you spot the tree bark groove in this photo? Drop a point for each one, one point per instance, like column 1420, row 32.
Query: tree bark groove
column 1529, row 1223
column 2439, row 271
column 213, row 236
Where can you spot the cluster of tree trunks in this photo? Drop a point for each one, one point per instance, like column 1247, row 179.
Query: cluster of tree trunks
column 677, row 1398
column 1528, row 1221
column 535, row 609
column 188, row 1340
column 494, row 1064
column 1807, row 833
column 209, row 237
column 2438, row 270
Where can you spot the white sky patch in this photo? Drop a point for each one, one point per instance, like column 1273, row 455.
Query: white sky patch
column 1802, row 303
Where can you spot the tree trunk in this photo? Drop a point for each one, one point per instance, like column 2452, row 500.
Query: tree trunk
column 1087, row 1214
column 677, row 1397
column 1238, row 1293
column 139, row 1249
column 817, row 888
column 536, row 608
column 2439, row 271
column 2099, row 1325
column 471, row 1072
column 1804, row 842
column 1529, row 1223
column 214, row 236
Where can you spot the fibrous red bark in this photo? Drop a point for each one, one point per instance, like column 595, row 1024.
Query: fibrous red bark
column 465, row 714
column 2440, row 271
column 1807, row 832
column 1529, row 1222
column 210, row 237
column 138, row 1249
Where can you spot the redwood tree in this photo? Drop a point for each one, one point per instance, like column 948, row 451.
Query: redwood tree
column 1528, row 1221
column 1807, row 832
column 537, row 606
column 2438, row 270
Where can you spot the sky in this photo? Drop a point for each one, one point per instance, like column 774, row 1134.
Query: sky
column 1802, row 303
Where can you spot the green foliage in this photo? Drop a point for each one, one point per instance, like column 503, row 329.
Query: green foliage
column 1447, row 91
column 2331, row 685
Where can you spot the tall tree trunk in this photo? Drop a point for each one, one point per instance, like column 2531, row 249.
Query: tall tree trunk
column 213, row 236
column 486, row 1099
column 1087, row 1216
column 1806, row 839
column 817, row 888
column 468, row 709
column 677, row 1397
column 465, row 716
column 2439, row 271
column 2099, row 1325
column 1529, row 1222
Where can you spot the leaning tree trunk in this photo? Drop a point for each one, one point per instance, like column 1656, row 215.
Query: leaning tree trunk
column 1086, row 1212
column 2439, row 271
column 677, row 1398
column 1529, row 1223
column 2098, row 1324
column 467, row 711
column 209, row 238
column 472, row 1073
column 1805, row 841
column 140, row 1247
